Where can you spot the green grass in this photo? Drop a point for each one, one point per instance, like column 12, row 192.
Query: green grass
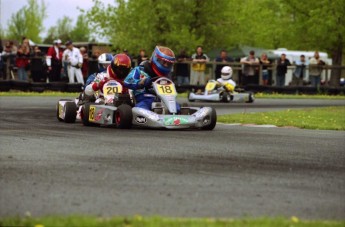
column 300, row 96
column 45, row 93
column 160, row 221
column 330, row 118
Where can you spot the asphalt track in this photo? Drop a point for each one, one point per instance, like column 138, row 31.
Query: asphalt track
column 48, row 167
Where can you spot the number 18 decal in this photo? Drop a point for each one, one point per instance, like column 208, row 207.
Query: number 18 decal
column 166, row 89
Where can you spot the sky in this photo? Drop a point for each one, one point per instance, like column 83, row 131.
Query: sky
column 56, row 9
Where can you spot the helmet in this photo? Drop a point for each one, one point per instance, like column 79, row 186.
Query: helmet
column 162, row 60
column 104, row 61
column 121, row 65
column 226, row 72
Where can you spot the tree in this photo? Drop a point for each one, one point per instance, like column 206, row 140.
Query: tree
column 28, row 21
column 62, row 30
column 81, row 31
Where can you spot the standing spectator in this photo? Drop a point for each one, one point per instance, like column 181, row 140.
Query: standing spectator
column 37, row 66
column 125, row 51
column 1, row 60
column 142, row 56
column 315, row 69
column 282, row 65
column 300, row 71
column 224, row 58
column 85, row 66
column 265, row 62
column 75, row 62
column 7, row 57
column 22, row 61
column 53, row 60
column 250, row 64
column 182, row 68
column 198, row 67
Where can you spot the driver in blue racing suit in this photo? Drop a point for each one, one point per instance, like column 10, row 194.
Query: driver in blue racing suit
column 140, row 78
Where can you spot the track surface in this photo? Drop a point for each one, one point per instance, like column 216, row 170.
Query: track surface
column 49, row 167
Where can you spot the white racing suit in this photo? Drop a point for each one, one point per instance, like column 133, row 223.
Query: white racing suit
column 228, row 84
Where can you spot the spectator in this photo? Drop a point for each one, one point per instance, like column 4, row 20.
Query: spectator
column 265, row 62
column 125, row 51
column 198, row 67
column 7, row 57
column 142, row 56
column 300, row 71
column 182, row 68
column 250, row 65
column 315, row 69
column 22, row 61
column 282, row 65
column 85, row 66
column 224, row 58
column 93, row 62
column 53, row 60
column 75, row 62
column 37, row 66
column 1, row 61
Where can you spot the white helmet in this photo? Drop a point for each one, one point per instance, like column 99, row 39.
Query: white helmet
column 226, row 72
column 104, row 61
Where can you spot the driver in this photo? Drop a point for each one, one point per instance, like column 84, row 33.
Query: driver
column 225, row 80
column 140, row 78
column 104, row 61
column 117, row 70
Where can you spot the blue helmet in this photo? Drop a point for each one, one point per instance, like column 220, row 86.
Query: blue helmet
column 104, row 61
column 162, row 60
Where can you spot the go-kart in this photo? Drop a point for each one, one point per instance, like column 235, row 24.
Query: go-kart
column 164, row 114
column 219, row 93
column 111, row 109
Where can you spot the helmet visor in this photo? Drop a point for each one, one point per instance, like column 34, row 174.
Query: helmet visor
column 164, row 63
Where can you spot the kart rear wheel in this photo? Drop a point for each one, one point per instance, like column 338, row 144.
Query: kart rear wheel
column 188, row 95
column 123, row 116
column 213, row 120
column 85, row 113
column 225, row 97
column 251, row 97
column 70, row 110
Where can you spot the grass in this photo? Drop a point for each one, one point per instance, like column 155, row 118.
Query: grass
column 45, row 93
column 161, row 221
column 327, row 118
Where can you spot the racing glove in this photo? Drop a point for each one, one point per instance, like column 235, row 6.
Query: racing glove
column 146, row 82
column 229, row 87
column 100, row 84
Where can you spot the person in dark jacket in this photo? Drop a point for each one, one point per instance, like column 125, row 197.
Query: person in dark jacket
column 282, row 65
column 37, row 66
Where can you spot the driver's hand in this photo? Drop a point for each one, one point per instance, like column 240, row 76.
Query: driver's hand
column 146, row 82
column 102, row 82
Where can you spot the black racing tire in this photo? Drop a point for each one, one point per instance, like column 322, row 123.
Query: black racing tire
column 225, row 97
column 57, row 109
column 85, row 115
column 251, row 97
column 70, row 109
column 213, row 119
column 123, row 116
column 188, row 95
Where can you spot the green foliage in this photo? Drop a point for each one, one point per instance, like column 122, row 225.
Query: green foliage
column 81, row 31
column 62, row 30
column 28, row 21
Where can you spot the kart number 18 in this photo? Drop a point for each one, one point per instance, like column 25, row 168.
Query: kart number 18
column 166, row 89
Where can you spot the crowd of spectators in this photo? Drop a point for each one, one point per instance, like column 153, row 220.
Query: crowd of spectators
column 27, row 62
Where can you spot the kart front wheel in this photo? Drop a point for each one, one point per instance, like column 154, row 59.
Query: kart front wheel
column 225, row 97
column 250, row 97
column 212, row 119
column 70, row 110
column 85, row 114
column 123, row 116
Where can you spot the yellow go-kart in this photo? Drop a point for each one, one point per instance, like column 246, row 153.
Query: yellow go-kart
column 217, row 92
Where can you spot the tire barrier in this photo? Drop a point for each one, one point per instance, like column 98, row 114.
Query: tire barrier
column 7, row 85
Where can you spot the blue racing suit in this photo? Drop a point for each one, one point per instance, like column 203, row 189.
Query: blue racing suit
column 143, row 93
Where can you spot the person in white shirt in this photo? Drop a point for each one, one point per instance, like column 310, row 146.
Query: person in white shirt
column 75, row 60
